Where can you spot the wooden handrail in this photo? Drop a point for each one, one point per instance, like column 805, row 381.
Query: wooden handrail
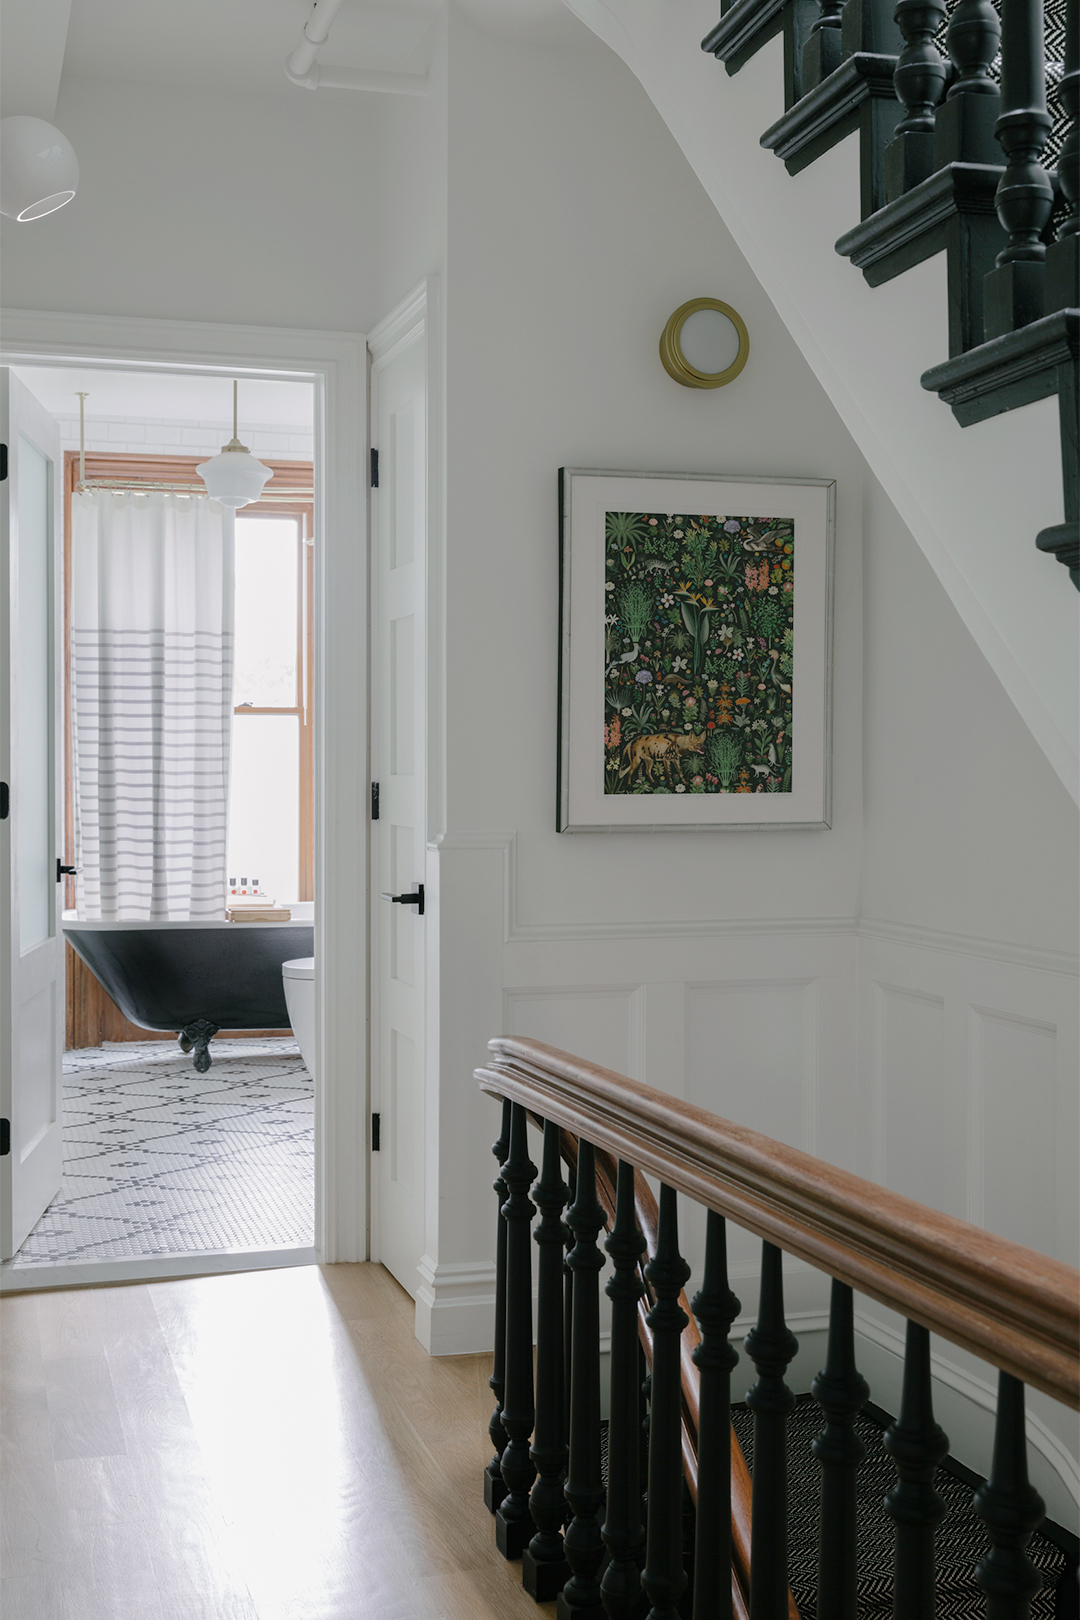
column 1010, row 1306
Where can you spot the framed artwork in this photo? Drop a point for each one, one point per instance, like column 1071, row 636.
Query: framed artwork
column 695, row 651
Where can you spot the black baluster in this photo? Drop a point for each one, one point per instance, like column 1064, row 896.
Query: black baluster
column 1024, row 199
column 513, row 1521
column 770, row 1346
column 715, row 1307
column 841, row 1391
column 580, row 1597
column 919, row 81
column 964, row 124
column 916, row 1444
column 823, row 51
column 1063, row 256
column 1011, row 1509
column 544, row 1569
column 494, row 1489
column 664, row 1577
column 568, row 1315
column 623, row 1531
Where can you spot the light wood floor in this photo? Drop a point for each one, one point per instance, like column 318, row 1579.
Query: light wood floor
column 267, row 1446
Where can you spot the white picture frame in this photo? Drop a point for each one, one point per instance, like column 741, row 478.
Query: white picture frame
column 626, row 762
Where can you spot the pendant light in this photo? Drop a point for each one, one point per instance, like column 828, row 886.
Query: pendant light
column 234, row 477
column 39, row 171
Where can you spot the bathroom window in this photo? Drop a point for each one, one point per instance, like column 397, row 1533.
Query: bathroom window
column 271, row 799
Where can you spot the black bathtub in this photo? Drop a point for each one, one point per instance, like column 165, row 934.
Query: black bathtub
column 194, row 978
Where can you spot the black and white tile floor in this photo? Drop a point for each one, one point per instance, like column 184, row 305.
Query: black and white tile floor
column 159, row 1160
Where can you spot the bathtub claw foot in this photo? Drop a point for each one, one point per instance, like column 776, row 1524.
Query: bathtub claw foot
column 196, row 1039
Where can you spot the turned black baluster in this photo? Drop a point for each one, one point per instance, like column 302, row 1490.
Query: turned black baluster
column 919, row 81
column 494, row 1489
column 916, row 1444
column 841, row 1391
column 580, row 1597
column 1062, row 540
column 1063, row 256
column 770, row 1346
column 663, row 1576
column 544, row 1569
column 715, row 1307
column 513, row 1521
column 1011, row 1509
column 823, row 51
column 1024, row 199
column 964, row 125
column 623, row 1531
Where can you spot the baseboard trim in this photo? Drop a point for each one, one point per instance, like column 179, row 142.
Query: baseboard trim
column 151, row 1268
column 455, row 1307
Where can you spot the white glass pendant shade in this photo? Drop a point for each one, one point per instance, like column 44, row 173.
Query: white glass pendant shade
column 39, row 171
column 234, row 477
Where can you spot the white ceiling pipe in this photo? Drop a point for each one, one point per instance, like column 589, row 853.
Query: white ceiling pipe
column 311, row 41
column 303, row 67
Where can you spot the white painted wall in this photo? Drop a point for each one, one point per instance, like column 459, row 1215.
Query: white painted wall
column 973, row 497
column 858, row 991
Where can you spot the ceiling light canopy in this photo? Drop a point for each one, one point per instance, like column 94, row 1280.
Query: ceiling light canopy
column 39, row 171
column 235, row 477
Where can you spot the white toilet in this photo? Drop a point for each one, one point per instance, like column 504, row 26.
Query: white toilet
column 298, row 978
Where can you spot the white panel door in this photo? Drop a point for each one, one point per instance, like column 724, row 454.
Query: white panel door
column 31, row 941
column 399, row 534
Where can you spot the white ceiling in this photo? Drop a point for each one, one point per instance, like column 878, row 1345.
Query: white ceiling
column 163, row 396
column 237, row 45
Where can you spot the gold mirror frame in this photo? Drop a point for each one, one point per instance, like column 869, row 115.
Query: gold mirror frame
column 678, row 366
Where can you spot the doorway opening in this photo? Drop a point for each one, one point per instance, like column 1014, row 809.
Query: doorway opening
column 188, row 745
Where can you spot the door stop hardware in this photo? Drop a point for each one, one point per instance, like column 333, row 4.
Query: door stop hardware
column 416, row 899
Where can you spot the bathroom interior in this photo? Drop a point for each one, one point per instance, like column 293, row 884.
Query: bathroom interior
column 188, row 863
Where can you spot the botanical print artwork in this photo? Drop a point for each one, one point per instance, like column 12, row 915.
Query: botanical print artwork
column 698, row 651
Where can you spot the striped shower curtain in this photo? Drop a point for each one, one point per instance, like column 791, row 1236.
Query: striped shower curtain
column 152, row 700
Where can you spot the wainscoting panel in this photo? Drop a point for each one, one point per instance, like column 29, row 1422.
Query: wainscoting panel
column 1013, row 1084
column 604, row 1024
column 750, row 1055
column 911, row 1152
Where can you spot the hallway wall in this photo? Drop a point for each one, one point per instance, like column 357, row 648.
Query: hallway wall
column 871, row 992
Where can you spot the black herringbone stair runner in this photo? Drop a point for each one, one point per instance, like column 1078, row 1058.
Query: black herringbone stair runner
column 961, row 1539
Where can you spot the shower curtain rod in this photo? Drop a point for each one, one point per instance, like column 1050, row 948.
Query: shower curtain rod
column 135, row 486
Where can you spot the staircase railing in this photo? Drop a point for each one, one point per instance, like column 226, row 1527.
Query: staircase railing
column 968, row 142
column 619, row 1552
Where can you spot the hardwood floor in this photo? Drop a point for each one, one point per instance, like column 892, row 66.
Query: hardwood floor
column 263, row 1446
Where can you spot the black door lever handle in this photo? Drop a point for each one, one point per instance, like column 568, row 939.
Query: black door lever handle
column 61, row 870
column 416, row 899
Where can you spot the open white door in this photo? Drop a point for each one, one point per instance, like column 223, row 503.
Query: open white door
column 399, row 654
column 31, row 941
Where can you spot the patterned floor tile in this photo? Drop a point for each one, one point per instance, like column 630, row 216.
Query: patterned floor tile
column 159, row 1160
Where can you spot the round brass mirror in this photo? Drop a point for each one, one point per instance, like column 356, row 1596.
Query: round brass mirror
column 705, row 344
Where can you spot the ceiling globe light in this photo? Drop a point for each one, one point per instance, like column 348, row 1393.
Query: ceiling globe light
column 234, row 477
column 39, row 171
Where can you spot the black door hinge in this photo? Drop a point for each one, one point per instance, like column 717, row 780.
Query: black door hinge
column 5, row 801
column 374, row 469
column 375, row 1133
column 374, row 801
column 3, row 462
column 5, row 1137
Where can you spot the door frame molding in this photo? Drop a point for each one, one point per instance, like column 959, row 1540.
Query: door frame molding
column 335, row 363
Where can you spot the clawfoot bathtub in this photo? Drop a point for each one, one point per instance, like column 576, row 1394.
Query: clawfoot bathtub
column 194, row 978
